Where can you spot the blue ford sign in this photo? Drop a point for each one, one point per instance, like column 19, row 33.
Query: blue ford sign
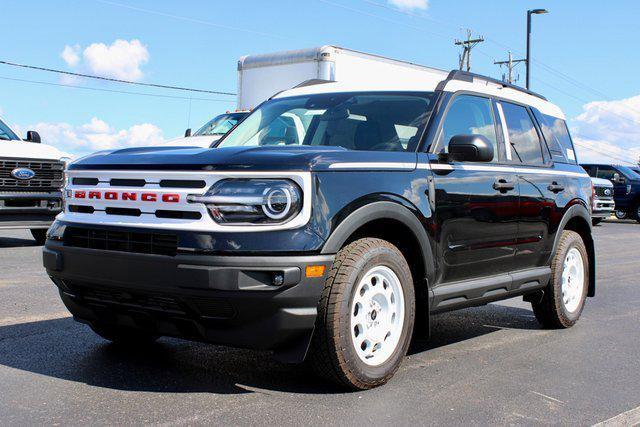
column 23, row 173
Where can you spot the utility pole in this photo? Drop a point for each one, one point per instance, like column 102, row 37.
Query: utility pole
column 510, row 64
column 528, row 60
column 467, row 45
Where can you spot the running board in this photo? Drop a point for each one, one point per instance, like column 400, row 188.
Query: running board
column 469, row 293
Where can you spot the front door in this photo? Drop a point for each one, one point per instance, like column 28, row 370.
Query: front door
column 476, row 204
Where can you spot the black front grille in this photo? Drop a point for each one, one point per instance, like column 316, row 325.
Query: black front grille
column 600, row 192
column 122, row 241
column 49, row 175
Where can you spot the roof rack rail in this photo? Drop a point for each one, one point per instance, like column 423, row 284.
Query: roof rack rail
column 468, row 77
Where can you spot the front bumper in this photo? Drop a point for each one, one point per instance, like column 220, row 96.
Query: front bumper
column 228, row 300
column 29, row 209
column 603, row 208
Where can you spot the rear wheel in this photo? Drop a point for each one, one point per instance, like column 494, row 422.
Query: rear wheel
column 124, row 336
column 40, row 235
column 365, row 316
column 565, row 295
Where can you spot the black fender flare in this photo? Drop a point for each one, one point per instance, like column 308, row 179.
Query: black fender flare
column 580, row 211
column 383, row 210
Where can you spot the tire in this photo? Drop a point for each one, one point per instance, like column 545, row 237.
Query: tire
column 560, row 306
column 124, row 336
column 368, row 282
column 620, row 214
column 637, row 211
column 40, row 235
column 596, row 221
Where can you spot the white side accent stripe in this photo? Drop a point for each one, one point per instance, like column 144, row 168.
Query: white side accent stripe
column 373, row 165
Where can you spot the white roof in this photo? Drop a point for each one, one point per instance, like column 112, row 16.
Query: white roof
column 428, row 83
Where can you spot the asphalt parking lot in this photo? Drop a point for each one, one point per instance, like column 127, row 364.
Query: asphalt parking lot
column 485, row 365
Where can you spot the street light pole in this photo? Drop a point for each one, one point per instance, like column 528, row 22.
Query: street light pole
column 528, row 60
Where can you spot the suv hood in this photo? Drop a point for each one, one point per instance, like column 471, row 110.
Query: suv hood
column 29, row 150
column 290, row 158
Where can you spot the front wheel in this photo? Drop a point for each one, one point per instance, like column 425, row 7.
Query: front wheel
column 365, row 315
column 565, row 295
column 39, row 235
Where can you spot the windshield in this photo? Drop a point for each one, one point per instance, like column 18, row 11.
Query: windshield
column 629, row 173
column 221, row 124
column 7, row 134
column 390, row 121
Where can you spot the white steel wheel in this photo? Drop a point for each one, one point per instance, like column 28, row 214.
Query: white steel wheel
column 572, row 280
column 377, row 315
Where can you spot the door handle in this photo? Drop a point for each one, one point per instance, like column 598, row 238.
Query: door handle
column 503, row 185
column 555, row 187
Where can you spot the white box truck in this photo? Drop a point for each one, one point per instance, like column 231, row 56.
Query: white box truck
column 261, row 76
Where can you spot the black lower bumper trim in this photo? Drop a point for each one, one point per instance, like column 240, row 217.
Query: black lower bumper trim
column 260, row 302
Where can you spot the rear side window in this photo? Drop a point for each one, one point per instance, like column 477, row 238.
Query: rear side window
column 556, row 134
column 523, row 139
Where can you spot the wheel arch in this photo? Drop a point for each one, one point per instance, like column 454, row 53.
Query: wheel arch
column 398, row 225
column 578, row 219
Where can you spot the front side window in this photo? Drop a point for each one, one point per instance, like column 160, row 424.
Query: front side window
column 606, row 172
column 7, row 134
column 468, row 115
column 523, row 138
column 355, row 121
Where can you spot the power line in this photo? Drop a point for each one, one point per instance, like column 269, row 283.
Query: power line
column 602, row 153
column 69, row 73
column 113, row 90
column 187, row 19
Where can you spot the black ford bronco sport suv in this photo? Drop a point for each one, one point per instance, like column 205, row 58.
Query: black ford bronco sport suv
column 331, row 223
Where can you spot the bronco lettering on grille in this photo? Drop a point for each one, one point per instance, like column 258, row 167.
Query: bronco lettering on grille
column 127, row 196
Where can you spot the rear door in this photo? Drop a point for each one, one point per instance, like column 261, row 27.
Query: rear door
column 541, row 186
column 476, row 204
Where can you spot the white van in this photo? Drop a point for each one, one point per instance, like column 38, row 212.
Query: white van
column 31, row 178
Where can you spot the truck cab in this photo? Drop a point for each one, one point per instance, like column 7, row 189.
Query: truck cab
column 626, row 187
column 31, row 178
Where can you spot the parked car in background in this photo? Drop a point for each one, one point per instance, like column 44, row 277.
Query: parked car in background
column 212, row 131
column 31, row 178
column 626, row 187
column 401, row 198
column 603, row 203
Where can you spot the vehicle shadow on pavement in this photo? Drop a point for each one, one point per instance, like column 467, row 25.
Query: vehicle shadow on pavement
column 12, row 242
column 62, row 348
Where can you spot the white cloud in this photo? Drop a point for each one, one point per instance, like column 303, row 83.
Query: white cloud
column 121, row 59
column 409, row 5
column 96, row 135
column 608, row 131
column 71, row 55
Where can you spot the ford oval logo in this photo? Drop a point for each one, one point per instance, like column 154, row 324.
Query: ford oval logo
column 23, row 173
column 607, row 192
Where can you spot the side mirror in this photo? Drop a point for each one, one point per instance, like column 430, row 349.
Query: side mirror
column 33, row 136
column 617, row 179
column 470, row 148
column 187, row 133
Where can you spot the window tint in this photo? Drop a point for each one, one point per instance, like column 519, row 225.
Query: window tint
column 355, row 121
column 6, row 133
column 556, row 134
column 523, row 138
column 469, row 115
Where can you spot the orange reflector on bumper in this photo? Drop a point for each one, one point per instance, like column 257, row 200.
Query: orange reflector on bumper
column 315, row 270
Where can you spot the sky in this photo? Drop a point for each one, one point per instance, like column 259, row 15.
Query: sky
column 582, row 59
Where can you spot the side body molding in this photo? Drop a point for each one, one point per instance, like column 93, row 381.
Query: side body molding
column 383, row 210
column 579, row 211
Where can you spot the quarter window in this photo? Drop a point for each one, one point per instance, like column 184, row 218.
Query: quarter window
column 469, row 115
column 522, row 135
